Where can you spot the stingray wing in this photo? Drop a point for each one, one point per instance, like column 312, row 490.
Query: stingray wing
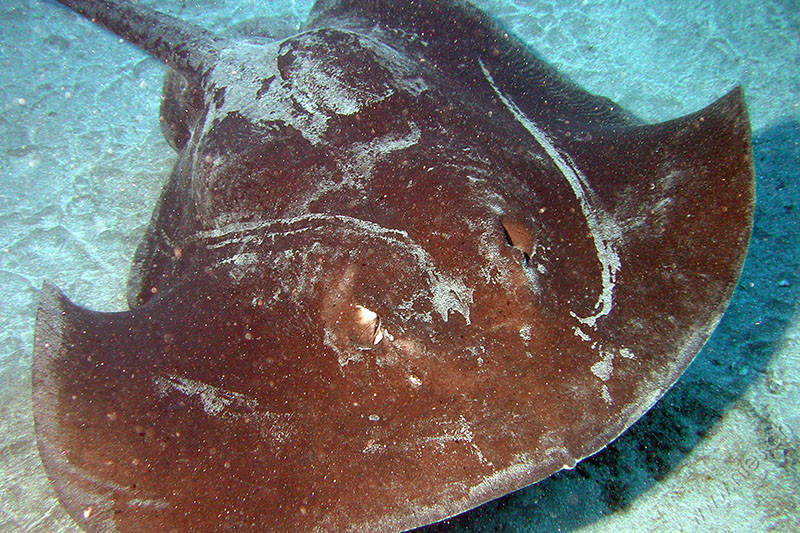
column 216, row 406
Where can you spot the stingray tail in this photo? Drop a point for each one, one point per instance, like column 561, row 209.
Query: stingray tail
column 185, row 47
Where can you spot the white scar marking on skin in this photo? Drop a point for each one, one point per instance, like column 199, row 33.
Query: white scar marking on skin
column 459, row 431
column 519, row 470
column 358, row 164
column 605, row 367
column 314, row 91
column 447, row 293
column 219, row 402
column 214, row 399
column 605, row 231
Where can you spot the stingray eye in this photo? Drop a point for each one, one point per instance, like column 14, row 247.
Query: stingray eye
column 369, row 323
column 368, row 330
column 518, row 235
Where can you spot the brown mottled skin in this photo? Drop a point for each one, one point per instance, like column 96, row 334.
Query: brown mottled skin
column 401, row 268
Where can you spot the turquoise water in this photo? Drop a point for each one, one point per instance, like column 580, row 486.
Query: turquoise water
column 82, row 161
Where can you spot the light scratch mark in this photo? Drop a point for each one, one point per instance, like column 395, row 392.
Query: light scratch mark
column 605, row 231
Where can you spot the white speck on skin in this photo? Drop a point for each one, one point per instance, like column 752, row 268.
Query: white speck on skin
column 627, row 354
column 374, row 447
column 606, row 395
column 581, row 335
column 605, row 367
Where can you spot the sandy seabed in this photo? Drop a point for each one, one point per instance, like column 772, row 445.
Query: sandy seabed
column 82, row 161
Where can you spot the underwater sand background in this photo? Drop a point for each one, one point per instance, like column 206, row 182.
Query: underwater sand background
column 82, row 161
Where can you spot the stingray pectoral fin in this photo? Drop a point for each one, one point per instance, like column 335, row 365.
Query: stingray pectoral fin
column 79, row 396
column 682, row 196
column 125, row 421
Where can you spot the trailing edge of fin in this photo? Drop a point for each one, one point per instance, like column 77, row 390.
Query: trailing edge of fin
column 184, row 47
column 51, row 321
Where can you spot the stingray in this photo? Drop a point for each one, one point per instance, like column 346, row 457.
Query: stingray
column 402, row 267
